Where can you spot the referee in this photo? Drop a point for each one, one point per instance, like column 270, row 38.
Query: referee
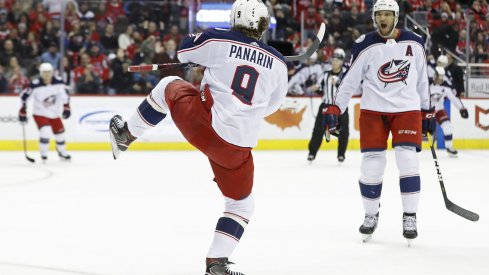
column 327, row 85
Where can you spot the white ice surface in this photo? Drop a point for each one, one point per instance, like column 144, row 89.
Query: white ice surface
column 153, row 213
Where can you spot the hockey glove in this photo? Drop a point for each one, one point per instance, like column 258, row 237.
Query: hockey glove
column 330, row 119
column 464, row 113
column 23, row 114
column 429, row 121
column 66, row 111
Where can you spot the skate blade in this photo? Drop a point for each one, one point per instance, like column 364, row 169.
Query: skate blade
column 115, row 150
column 366, row 237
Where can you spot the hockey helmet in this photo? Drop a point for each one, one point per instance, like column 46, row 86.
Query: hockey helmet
column 46, row 67
column 247, row 13
column 339, row 53
column 439, row 71
column 386, row 5
column 442, row 61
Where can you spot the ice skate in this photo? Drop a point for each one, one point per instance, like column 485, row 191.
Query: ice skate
column 310, row 158
column 219, row 266
column 452, row 152
column 410, row 230
column 64, row 156
column 368, row 227
column 341, row 159
column 44, row 159
column 120, row 136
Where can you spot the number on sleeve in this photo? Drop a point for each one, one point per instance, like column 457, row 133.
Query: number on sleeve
column 244, row 82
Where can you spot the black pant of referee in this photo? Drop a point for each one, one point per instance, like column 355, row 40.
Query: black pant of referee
column 318, row 133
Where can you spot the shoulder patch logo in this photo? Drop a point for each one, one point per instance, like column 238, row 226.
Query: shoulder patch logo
column 360, row 39
column 394, row 71
column 197, row 36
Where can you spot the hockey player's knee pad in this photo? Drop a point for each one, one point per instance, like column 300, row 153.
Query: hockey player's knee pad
column 407, row 160
column 373, row 166
column 45, row 132
column 241, row 209
column 157, row 96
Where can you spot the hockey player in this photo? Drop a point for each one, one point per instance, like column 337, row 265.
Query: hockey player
column 244, row 81
column 327, row 84
column 440, row 89
column 396, row 99
column 51, row 102
column 305, row 76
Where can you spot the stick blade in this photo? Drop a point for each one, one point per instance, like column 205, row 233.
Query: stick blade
column 464, row 213
column 31, row 160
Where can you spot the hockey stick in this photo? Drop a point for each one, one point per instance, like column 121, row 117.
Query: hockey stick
column 25, row 145
column 155, row 67
column 469, row 215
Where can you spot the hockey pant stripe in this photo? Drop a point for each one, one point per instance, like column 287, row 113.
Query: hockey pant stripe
column 44, row 140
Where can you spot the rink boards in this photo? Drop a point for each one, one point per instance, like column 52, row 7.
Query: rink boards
column 288, row 129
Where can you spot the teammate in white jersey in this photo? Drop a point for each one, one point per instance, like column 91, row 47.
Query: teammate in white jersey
column 244, row 81
column 441, row 89
column 390, row 67
column 51, row 102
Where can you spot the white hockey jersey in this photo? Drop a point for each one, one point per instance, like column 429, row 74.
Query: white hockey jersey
column 48, row 99
column 304, row 77
column 392, row 74
column 438, row 94
column 247, row 80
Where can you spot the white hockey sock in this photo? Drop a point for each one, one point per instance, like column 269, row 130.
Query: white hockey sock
column 371, row 174
column 230, row 227
column 152, row 110
column 60, row 143
column 409, row 180
column 44, row 133
column 447, row 128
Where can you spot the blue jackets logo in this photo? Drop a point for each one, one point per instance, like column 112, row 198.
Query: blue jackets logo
column 394, row 71
column 97, row 121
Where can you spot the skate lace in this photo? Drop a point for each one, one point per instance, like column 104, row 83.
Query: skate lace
column 230, row 272
column 119, row 123
column 369, row 221
column 409, row 223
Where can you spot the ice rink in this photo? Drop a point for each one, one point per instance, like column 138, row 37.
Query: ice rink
column 153, row 213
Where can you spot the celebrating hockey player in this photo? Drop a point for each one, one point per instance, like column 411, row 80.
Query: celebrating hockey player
column 327, row 84
column 244, row 81
column 51, row 102
column 440, row 89
column 396, row 99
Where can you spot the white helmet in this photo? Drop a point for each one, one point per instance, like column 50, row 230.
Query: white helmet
column 442, row 61
column 247, row 13
column 339, row 53
column 386, row 5
column 46, row 67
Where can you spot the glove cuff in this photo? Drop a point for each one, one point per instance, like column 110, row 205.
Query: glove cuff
column 427, row 114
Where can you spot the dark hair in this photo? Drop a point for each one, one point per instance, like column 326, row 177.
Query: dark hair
column 254, row 33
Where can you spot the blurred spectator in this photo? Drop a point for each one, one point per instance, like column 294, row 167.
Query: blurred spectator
column 168, row 54
column 8, row 51
column 89, row 82
column 114, row 10
column 4, row 27
column 122, row 81
column 54, row 7
column 48, row 34
column 86, row 13
column 52, row 55
column 99, row 62
column 71, row 15
column 144, row 83
column 3, row 81
column 125, row 39
column 174, row 35
column 109, row 39
column 17, row 81
column 148, row 49
column 312, row 21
